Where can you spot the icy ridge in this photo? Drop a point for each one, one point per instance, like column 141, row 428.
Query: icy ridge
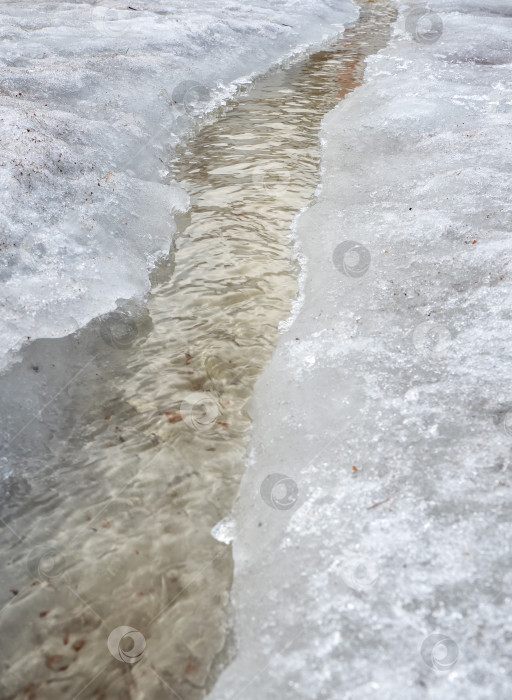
column 94, row 97
column 371, row 534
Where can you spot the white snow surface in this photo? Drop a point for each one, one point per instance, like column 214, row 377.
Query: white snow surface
column 377, row 563
column 94, row 96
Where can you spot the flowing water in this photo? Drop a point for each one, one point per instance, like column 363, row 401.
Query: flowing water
column 113, row 586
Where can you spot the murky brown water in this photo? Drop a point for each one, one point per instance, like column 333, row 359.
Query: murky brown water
column 120, row 536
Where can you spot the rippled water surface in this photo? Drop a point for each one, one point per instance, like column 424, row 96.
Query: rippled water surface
column 114, row 529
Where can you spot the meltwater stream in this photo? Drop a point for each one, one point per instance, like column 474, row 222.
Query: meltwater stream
column 112, row 584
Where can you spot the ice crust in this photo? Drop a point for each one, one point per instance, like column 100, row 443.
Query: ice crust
column 94, row 97
column 388, row 403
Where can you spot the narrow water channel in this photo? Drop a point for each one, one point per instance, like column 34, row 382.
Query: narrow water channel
column 114, row 585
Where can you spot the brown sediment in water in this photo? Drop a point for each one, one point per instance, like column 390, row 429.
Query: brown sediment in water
column 162, row 457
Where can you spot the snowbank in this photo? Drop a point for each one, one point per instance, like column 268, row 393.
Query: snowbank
column 94, row 96
column 372, row 531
